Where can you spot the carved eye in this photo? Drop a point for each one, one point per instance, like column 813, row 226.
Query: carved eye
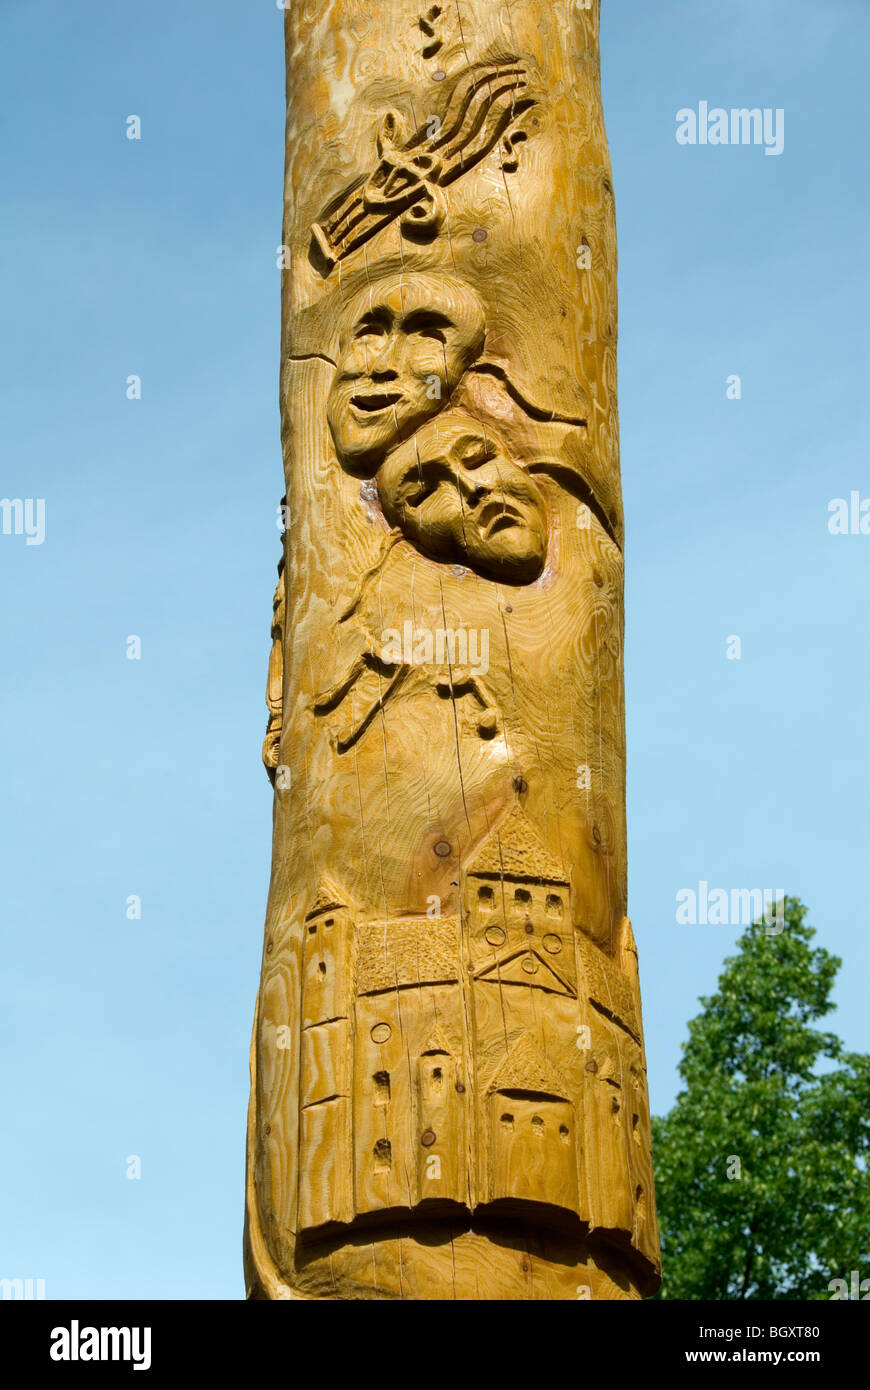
column 475, row 453
column 419, row 494
column 477, row 461
column 427, row 323
column 372, row 325
column 421, row 481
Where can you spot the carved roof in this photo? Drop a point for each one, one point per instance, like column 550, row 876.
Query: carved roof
column 406, row 951
column 525, row 967
column 611, row 991
column 327, row 899
column 437, row 1044
column 525, row 1068
column 514, row 849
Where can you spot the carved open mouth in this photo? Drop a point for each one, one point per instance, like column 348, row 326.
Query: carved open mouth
column 377, row 400
column 495, row 516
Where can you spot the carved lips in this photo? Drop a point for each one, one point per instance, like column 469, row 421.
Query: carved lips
column 375, row 401
column 499, row 516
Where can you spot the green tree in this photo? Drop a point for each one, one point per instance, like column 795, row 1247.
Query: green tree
column 761, row 1166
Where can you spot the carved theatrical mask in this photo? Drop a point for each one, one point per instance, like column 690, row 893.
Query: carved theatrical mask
column 405, row 347
column 455, row 493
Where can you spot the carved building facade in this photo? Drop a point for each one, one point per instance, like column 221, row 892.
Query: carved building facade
column 476, row 1061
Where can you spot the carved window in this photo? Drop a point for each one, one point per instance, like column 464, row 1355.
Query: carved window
column 382, row 1087
column 383, row 1155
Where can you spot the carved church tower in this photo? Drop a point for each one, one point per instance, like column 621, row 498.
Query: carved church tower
column 409, row 1094
column 519, row 910
column 324, row 1090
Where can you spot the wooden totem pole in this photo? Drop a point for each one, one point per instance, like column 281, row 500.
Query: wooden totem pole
column 449, row 1096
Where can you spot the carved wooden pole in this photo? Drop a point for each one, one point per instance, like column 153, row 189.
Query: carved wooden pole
column 449, row 1096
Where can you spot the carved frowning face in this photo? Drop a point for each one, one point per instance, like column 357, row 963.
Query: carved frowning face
column 454, row 492
column 403, row 352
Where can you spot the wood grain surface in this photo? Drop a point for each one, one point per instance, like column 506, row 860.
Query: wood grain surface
column 448, row 1085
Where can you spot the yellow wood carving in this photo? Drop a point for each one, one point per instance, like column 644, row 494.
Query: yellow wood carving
column 449, row 1096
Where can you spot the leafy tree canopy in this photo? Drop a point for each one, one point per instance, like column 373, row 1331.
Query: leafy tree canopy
column 761, row 1166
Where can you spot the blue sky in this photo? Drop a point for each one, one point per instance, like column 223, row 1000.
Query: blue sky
column 157, row 258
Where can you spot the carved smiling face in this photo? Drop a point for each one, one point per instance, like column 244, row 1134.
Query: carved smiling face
column 406, row 345
column 455, row 493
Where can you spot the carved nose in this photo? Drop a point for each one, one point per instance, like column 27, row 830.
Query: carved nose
column 379, row 359
column 470, row 489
